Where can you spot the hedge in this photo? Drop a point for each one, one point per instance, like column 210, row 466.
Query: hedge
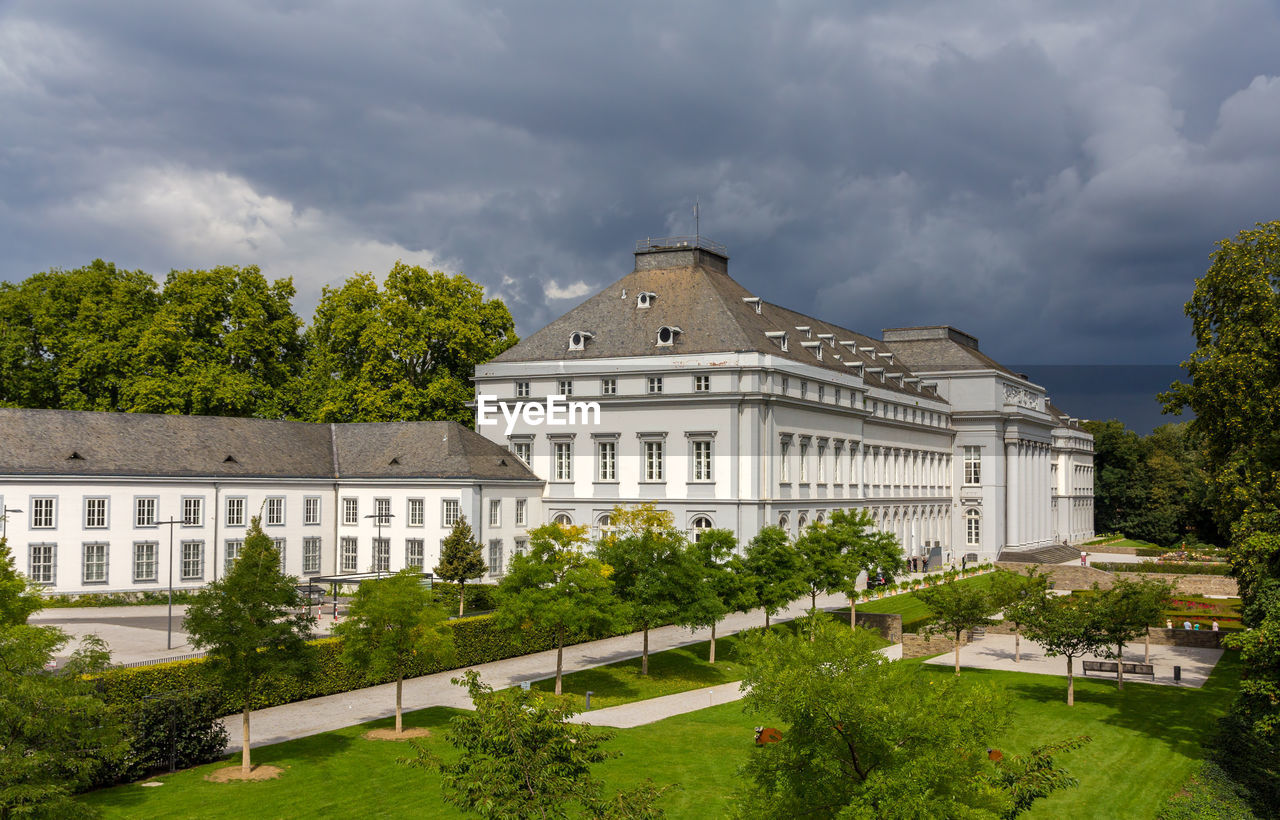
column 1168, row 569
column 475, row 639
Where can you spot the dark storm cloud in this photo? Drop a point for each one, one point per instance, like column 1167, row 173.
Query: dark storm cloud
column 1049, row 179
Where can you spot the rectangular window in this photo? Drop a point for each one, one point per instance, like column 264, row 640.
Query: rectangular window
column 563, row 461
column 382, row 555
column 522, row 390
column 565, row 387
column 607, row 460
column 804, row 389
column 972, row 465
column 452, row 510
column 416, row 516
column 144, row 512
column 275, row 512
column 786, row 384
column 42, row 513
column 235, row 512
column 382, row 511
column 42, row 563
column 311, row 510
column 804, row 462
column 350, row 555
column 192, row 560
column 495, row 512
column 144, row 561
column 192, row 512
column 278, row 543
column 608, row 387
column 232, row 548
column 495, row 557
column 653, row 461
column 521, row 547
column 414, row 557
column 95, row 513
column 95, row 563
column 523, row 450
column 701, row 461
column 784, row 462
column 521, row 512
column 973, row 529
column 350, row 511
column 836, row 398
column 311, row 555
column 655, row 384
column 822, row 392
column 835, row 464
column 822, row 464
column 701, row 384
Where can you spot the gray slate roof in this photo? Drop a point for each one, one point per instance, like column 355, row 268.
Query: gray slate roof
column 707, row 305
column 68, row 442
column 940, row 348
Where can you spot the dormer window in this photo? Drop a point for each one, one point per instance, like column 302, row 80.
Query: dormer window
column 578, row 339
column 829, row 338
column 645, row 299
column 667, row 335
column 856, row 367
column 816, row 347
column 870, row 351
column 888, row 357
column 778, row 336
column 806, row 330
column 754, row 301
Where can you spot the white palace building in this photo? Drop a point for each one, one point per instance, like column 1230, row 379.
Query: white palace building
column 722, row 408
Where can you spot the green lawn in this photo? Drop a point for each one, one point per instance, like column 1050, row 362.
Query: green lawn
column 1103, row 543
column 1146, row 742
column 912, row 610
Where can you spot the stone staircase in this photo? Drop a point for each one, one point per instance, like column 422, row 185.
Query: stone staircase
column 977, row 633
column 1052, row 554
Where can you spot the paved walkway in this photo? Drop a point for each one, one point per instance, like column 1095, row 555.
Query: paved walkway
column 996, row 652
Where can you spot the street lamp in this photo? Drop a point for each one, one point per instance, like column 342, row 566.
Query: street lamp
column 380, row 519
column 4, row 521
column 168, row 642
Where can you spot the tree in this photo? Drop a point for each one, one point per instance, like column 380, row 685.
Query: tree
column 520, row 757
column 223, row 342
column 55, row 735
column 865, row 737
column 1127, row 610
column 773, row 569
column 864, row 548
column 557, row 587
column 406, row 352
column 722, row 586
column 251, row 624
column 19, row 598
column 1066, row 626
column 822, row 563
column 1034, row 775
column 957, row 607
column 652, row 570
column 393, row 627
column 1018, row 595
column 461, row 559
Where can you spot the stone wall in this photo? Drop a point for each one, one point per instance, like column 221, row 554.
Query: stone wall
column 888, row 625
column 916, row 646
column 1204, row 584
column 1204, row 639
column 1066, row 576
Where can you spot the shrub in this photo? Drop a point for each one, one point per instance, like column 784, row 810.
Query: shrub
column 1167, row 569
column 177, row 729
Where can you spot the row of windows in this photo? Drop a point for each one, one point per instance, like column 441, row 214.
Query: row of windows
column 652, row 452
column 189, row 560
column 609, row 386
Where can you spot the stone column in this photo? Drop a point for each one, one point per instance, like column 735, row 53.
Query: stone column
column 1011, row 493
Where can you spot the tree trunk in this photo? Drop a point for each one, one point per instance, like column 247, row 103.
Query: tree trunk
column 399, row 713
column 1017, row 647
column 853, row 615
column 957, row 653
column 813, row 609
column 1146, row 647
column 1071, row 684
column 559, row 660
column 245, row 768
column 1120, row 666
column 644, row 657
column 462, row 596
column 713, row 644
column 766, row 619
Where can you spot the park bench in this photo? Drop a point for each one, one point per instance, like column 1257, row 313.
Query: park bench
column 1140, row 669
column 1102, row 666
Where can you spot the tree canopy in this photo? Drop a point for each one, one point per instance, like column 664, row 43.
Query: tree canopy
column 1066, row 626
column 461, row 559
column 957, row 607
column 773, row 569
column 19, row 598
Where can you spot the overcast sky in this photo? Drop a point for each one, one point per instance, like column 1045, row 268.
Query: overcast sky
column 1050, row 177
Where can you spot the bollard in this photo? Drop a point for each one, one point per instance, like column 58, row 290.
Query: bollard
column 524, row 684
column 1177, row 674
column 588, row 709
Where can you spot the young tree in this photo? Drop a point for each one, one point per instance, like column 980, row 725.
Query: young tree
column 822, row 563
column 864, row 548
column 653, row 572
column 957, row 607
column 520, row 757
column 864, row 736
column 773, row 569
column 251, row 624
column 1018, row 595
column 1066, row 626
column 19, row 598
column 722, row 587
column 392, row 627
column 461, row 559
column 558, row 587
column 1126, row 611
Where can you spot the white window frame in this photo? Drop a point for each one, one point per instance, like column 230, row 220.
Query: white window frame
column 44, row 512
column 415, row 513
column 607, row 460
column 784, row 460
column 382, row 511
column 95, row 555
column 702, row 459
column 273, row 511
column 497, row 561
column 450, row 512
column 97, row 519
column 349, row 554
column 702, row 384
column 804, row 461
column 654, row 452
column 415, row 553
column 191, row 569
column 972, row 465
column 822, row 463
column 523, row 450
column 311, row 511
column 231, row 549
column 522, row 512
column 238, row 505
column 564, row 387
column 973, row 527
column 608, row 386
column 42, row 563
column 562, row 460
column 280, row 544
column 522, row 389
column 192, row 511
column 311, row 555
column 146, row 555
column 495, row 512
column 149, row 504
column 654, row 384
column 350, row 511
column 381, row 554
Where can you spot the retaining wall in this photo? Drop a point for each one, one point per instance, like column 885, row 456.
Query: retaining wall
column 1070, row 576
column 917, row 646
column 888, row 625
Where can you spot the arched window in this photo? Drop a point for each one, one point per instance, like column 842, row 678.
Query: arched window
column 973, row 528
column 784, row 522
column 699, row 525
column 563, row 520
column 802, row 521
column 819, row 519
column 605, row 522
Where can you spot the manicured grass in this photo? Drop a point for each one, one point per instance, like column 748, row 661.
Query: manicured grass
column 1103, row 543
column 913, row 611
column 1146, row 742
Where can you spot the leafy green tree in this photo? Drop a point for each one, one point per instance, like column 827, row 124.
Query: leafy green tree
column 19, row 598
column 55, row 735
column 864, row 736
column 823, row 568
column 224, row 342
column 864, row 549
column 653, row 571
column 461, row 559
column 957, row 607
column 1026, row 778
column 773, row 567
column 520, row 757
column 1019, row 595
column 1127, row 610
column 392, row 627
column 1067, row 626
column 556, row 586
column 251, row 623
column 723, row 586
column 406, row 352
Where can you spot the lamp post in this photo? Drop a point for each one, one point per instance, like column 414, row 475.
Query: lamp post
column 168, row 642
column 4, row 521
column 379, row 519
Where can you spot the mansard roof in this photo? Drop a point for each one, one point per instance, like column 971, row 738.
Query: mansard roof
column 940, row 348
column 692, row 291
column 74, row 443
